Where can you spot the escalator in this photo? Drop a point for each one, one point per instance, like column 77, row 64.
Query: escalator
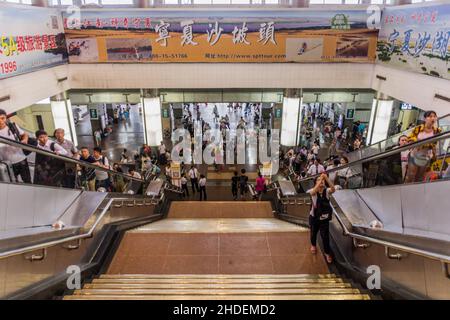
column 382, row 223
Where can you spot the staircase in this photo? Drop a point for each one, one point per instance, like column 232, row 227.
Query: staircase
column 218, row 287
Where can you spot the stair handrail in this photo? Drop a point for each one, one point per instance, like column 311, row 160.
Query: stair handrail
column 28, row 147
column 48, row 244
column 444, row 259
column 384, row 154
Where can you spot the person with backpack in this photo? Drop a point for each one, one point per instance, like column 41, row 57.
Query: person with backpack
column 87, row 174
column 48, row 170
column 321, row 214
column 101, row 177
column 14, row 155
column 243, row 183
column 420, row 158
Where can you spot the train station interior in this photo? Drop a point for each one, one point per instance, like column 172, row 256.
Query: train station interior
column 224, row 150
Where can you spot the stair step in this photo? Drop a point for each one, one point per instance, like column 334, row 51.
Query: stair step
column 222, row 297
column 212, row 291
column 170, row 286
column 217, row 276
column 218, row 281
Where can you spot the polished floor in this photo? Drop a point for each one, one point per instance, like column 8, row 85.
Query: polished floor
column 127, row 134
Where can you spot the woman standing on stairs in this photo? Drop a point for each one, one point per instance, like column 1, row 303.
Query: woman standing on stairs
column 321, row 214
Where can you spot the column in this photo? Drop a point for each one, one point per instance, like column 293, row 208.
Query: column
column 290, row 118
column 380, row 118
column 400, row 2
column 143, row 3
column 63, row 116
column 151, row 112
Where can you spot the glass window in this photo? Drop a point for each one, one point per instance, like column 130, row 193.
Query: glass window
column 240, row 1
column 66, row 2
column 376, row 1
column 202, row 1
column 271, row 2
column 256, row 1
column 333, row 1
column 116, row 2
column 352, row 1
column 316, row 1
column 221, row 1
column 26, row 1
column 173, row 2
column 14, row 1
column 416, row 1
column 90, row 1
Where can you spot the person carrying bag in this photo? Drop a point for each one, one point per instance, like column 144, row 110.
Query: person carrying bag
column 321, row 214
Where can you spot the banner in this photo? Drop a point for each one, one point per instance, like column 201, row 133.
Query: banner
column 416, row 38
column 31, row 39
column 219, row 36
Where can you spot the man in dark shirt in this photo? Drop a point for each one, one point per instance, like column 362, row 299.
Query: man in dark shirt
column 234, row 185
column 243, row 180
column 87, row 174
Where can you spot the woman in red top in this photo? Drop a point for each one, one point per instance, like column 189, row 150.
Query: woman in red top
column 260, row 185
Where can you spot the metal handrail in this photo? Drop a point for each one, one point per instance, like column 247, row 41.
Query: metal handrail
column 53, row 243
column 378, row 144
column 424, row 253
column 384, row 154
column 64, row 158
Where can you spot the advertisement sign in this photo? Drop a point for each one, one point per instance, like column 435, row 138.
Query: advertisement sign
column 31, row 39
column 416, row 38
column 93, row 112
column 142, row 36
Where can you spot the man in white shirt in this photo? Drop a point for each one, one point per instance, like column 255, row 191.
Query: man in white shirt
column 101, row 177
column 14, row 155
column 48, row 170
column 315, row 168
column 193, row 175
column 162, row 148
column 315, row 149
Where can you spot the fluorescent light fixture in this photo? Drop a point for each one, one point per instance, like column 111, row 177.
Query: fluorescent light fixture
column 289, row 121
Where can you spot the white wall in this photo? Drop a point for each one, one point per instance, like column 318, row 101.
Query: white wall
column 414, row 88
column 221, row 75
column 25, row 90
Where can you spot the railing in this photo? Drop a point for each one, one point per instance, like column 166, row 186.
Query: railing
column 362, row 167
column 387, row 143
column 59, row 170
column 44, row 246
column 444, row 259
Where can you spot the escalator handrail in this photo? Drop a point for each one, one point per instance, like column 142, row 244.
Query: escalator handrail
column 28, row 147
column 45, row 245
column 384, row 154
column 388, row 244
column 397, row 135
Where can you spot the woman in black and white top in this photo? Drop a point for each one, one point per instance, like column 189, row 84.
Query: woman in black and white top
column 321, row 214
column 202, row 185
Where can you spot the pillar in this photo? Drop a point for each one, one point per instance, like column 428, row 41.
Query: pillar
column 290, row 120
column 63, row 116
column 299, row 3
column 151, row 112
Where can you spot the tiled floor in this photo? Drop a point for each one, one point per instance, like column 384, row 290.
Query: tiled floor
column 216, row 253
column 220, row 209
column 227, row 225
